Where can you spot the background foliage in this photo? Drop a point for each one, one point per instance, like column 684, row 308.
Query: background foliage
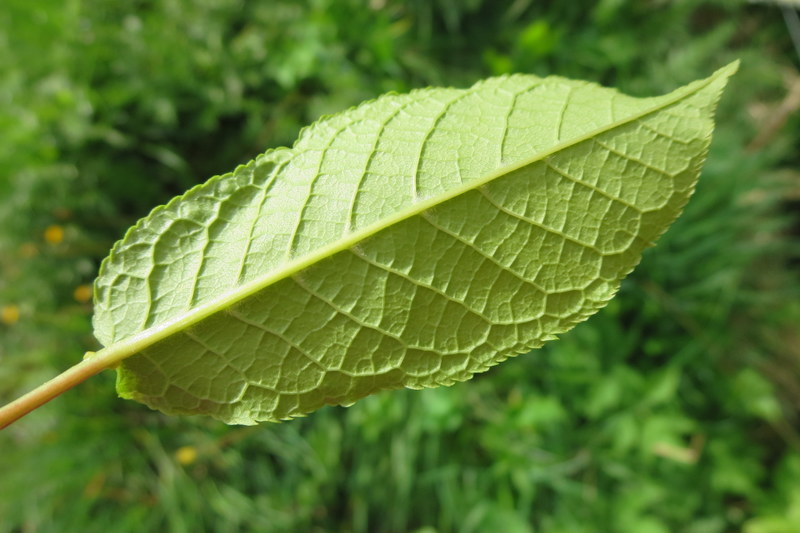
column 674, row 409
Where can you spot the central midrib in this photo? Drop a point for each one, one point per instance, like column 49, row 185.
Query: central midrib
column 121, row 350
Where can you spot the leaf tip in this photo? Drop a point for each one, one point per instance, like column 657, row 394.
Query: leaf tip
column 724, row 73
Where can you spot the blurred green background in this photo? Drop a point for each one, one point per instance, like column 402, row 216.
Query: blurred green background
column 674, row 409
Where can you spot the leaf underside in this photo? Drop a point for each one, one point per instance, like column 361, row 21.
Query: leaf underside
column 409, row 242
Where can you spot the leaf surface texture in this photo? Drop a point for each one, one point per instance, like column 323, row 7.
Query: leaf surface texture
column 409, row 242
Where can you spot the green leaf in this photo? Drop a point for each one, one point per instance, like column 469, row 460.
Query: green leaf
column 410, row 242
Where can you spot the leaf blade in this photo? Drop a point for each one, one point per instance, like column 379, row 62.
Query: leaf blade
column 273, row 391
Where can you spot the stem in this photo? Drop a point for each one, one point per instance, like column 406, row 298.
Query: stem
column 47, row 391
column 94, row 363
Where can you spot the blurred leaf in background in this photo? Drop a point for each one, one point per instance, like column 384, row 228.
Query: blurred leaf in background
column 674, row 409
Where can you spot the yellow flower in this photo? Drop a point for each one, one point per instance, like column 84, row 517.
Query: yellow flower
column 54, row 234
column 82, row 293
column 9, row 314
column 28, row 250
column 186, row 455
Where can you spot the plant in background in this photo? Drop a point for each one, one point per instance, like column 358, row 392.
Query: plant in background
column 412, row 241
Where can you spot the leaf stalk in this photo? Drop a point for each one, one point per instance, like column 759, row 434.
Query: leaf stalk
column 42, row 394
